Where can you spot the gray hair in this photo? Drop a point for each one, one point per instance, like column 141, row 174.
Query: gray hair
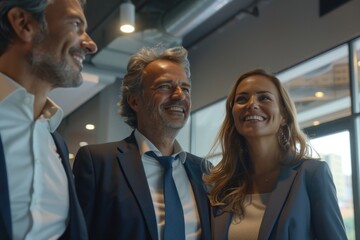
column 35, row 7
column 132, row 82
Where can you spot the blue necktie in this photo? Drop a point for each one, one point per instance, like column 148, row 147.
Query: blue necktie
column 174, row 214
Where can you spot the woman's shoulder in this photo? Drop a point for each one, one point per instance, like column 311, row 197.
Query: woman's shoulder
column 309, row 164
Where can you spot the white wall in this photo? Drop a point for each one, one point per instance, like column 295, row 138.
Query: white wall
column 286, row 33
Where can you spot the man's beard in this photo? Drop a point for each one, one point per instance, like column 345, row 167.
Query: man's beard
column 57, row 72
column 159, row 116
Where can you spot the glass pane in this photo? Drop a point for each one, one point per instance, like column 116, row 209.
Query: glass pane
column 357, row 64
column 335, row 150
column 205, row 125
column 320, row 87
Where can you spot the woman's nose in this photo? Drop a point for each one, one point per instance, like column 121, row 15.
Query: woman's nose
column 252, row 103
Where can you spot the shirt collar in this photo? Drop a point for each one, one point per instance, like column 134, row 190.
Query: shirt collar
column 145, row 146
column 51, row 112
column 8, row 86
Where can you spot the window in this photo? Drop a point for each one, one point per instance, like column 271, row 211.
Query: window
column 320, row 87
column 335, row 150
column 204, row 127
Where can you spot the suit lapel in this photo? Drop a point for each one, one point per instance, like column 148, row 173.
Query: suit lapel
column 5, row 215
column 77, row 228
column 133, row 169
column 220, row 222
column 276, row 201
column 194, row 173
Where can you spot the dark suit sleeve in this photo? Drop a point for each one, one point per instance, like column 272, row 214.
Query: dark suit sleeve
column 85, row 182
column 326, row 217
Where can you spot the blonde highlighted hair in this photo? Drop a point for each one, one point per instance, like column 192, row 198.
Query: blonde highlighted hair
column 229, row 181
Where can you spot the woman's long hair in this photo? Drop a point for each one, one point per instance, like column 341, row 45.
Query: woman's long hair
column 229, row 181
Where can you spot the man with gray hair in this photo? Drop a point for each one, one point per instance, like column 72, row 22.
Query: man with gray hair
column 145, row 186
column 42, row 46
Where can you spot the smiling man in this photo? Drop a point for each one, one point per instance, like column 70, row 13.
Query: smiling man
column 123, row 188
column 42, row 46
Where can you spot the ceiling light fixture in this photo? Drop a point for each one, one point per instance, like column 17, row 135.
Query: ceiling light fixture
column 90, row 126
column 81, row 144
column 316, row 123
column 319, row 94
column 127, row 17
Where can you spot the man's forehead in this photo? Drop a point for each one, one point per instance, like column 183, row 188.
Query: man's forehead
column 81, row 3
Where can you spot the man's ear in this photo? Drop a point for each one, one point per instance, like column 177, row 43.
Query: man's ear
column 133, row 101
column 23, row 23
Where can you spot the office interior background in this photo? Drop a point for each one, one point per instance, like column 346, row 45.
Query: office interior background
column 313, row 46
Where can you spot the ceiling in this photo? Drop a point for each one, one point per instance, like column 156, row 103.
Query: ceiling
column 164, row 22
column 157, row 22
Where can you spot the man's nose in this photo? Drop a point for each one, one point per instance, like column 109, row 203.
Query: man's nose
column 88, row 44
column 178, row 93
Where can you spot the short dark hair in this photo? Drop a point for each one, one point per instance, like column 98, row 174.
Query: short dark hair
column 35, row 7
column 132, row 82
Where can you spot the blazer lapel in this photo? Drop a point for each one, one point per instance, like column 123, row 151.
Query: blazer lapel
column 5, row 215
column 276, row 201
column 130, row 160
column 220, row 223
column 200, row 196
column 77, row 226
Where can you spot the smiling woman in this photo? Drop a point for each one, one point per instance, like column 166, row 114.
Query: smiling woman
column 267, row 176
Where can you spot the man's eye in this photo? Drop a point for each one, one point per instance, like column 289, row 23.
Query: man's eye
column 185, row 90
column 164, row 86
column 76, row 24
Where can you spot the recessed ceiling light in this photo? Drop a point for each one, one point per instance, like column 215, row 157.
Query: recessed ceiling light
column 319, row 94
column 90, row 126
column 81, row 144
column 315, row 123
column 71, row 156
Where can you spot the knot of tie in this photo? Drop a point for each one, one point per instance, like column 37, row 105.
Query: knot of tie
column 165, row 161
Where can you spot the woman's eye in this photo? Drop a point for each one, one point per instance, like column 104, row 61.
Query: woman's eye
column 265, row 97
column 241, row 99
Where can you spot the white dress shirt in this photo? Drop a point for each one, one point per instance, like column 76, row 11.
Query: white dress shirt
column 154, row 174
column 38, row 187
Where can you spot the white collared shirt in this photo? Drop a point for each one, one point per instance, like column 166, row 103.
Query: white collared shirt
column 38, row 187
column 154, row 174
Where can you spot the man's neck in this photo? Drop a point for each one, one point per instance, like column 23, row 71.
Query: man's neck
column 22, row 74
column 163, row 141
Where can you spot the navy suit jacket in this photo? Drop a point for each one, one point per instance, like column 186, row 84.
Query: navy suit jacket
column 303, row 206
column 76, row 229
column 114, row 194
